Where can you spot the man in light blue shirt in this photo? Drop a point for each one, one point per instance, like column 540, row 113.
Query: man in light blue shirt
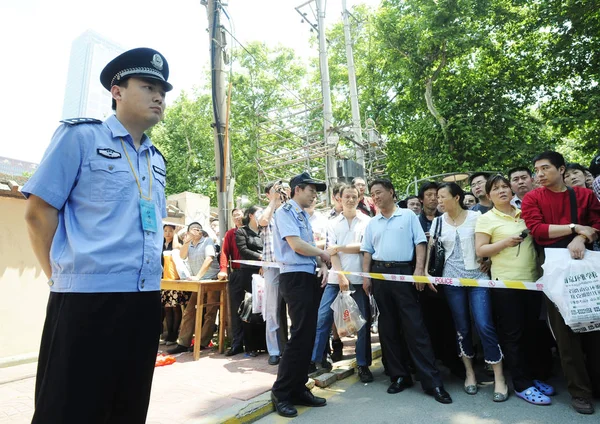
column 295, row 251
column 392, row 238
column 94, row 214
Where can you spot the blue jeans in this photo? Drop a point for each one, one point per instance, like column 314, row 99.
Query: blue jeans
column 476, row 300
column 325, row 321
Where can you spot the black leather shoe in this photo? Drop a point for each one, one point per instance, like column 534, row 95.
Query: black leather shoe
column 177, row 349
column 439, row 394
column 400, row 384
column 312, row 368
column 284, row 407
column 273, row 360
column 306, row 398
column 364, row 373
column 234, row 351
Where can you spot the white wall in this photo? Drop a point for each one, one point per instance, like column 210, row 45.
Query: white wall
column 23, row 286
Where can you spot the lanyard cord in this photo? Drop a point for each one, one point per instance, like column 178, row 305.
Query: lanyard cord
column 135, row 175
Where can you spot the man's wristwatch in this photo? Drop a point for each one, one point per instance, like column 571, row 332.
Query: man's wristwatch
column 572, row 227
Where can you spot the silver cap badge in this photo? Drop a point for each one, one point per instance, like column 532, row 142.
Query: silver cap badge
column 157, row 62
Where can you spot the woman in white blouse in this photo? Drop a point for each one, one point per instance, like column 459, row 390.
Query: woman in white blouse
column 458, row 238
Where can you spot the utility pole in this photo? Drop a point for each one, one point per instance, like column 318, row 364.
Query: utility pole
column 330, row 171
column 360, row 153
column 217, row 44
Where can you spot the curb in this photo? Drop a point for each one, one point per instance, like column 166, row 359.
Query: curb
column 261, row 406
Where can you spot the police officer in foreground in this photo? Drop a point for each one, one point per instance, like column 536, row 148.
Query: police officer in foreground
column 94, row 214
column 295, row 250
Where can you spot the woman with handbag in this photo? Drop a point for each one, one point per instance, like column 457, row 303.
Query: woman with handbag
column 250, row 246
column 501, row 235
column 457, row 236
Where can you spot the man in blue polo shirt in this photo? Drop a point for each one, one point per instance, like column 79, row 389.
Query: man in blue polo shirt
column 391, row 239
column 295, row 251
column 93, row 211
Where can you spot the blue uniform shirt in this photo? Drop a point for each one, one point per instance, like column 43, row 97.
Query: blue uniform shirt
column 393, row 239
column 291, row 220
column 99, row 244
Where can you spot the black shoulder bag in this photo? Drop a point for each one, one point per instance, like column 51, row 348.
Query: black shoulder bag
column 437, row 253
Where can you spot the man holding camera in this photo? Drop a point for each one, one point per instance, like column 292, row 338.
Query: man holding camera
column 274, row 314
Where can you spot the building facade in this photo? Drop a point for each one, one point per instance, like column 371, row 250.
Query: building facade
column 84, row 95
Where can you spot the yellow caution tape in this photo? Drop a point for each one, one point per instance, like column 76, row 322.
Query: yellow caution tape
column 443, row 281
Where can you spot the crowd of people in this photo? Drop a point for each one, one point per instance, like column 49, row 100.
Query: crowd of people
column 495, row 231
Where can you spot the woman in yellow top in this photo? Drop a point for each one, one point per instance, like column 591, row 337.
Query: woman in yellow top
column 501, row 235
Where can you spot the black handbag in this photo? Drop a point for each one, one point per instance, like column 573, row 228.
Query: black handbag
column 245, row 311
column 437, row 253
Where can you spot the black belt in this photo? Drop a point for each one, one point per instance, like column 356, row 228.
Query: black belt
column 391, row 264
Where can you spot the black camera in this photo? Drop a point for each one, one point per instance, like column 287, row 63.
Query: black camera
column 524, row 233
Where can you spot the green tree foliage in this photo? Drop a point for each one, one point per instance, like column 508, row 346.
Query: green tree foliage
column 460, row 85
column 452, row 85
column 261, row 79
column 185, row 138
column 264, row 79
column 442, row 88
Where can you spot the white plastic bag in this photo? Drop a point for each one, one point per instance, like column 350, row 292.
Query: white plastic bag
column 346, row 314
column 180, row 265
column 574, row 287
column 374, row 309
column 258, row 294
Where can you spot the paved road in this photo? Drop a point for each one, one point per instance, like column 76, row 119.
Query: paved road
column 350, row 401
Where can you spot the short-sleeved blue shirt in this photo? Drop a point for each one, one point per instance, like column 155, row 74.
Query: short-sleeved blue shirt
column 99, row 244
column 291, row 220
column 393, row 239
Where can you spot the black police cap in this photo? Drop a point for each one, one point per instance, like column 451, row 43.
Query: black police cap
column 141, row 62
column 305, row 178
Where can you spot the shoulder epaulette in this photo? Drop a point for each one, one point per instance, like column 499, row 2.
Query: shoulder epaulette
column 158, row 151
column 287, row 206
column 77, row 121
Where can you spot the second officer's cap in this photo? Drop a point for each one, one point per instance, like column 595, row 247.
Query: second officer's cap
column 305, row 178
column 141, row 62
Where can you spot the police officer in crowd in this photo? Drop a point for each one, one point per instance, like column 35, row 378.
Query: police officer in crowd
column 391, row 239
column 93, row 212
column 295, row 250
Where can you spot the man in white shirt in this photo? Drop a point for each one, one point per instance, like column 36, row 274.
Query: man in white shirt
column 344, row 237
column 318, row 223
column 521, row 183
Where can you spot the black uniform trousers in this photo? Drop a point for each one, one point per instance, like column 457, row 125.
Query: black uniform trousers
column 301, row 292
column 400, row 314
column 235, row 291
column 81, row 378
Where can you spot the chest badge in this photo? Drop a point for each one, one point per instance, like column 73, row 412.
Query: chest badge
column 109, row 153
column 159, row 170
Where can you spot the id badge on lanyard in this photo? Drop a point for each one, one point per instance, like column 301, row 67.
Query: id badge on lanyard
column 147, row 209
column 148, row 214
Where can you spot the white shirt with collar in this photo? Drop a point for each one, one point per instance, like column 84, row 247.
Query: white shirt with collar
column 341, row 233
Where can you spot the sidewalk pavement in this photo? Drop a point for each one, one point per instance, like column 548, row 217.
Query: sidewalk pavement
column 214, row 389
